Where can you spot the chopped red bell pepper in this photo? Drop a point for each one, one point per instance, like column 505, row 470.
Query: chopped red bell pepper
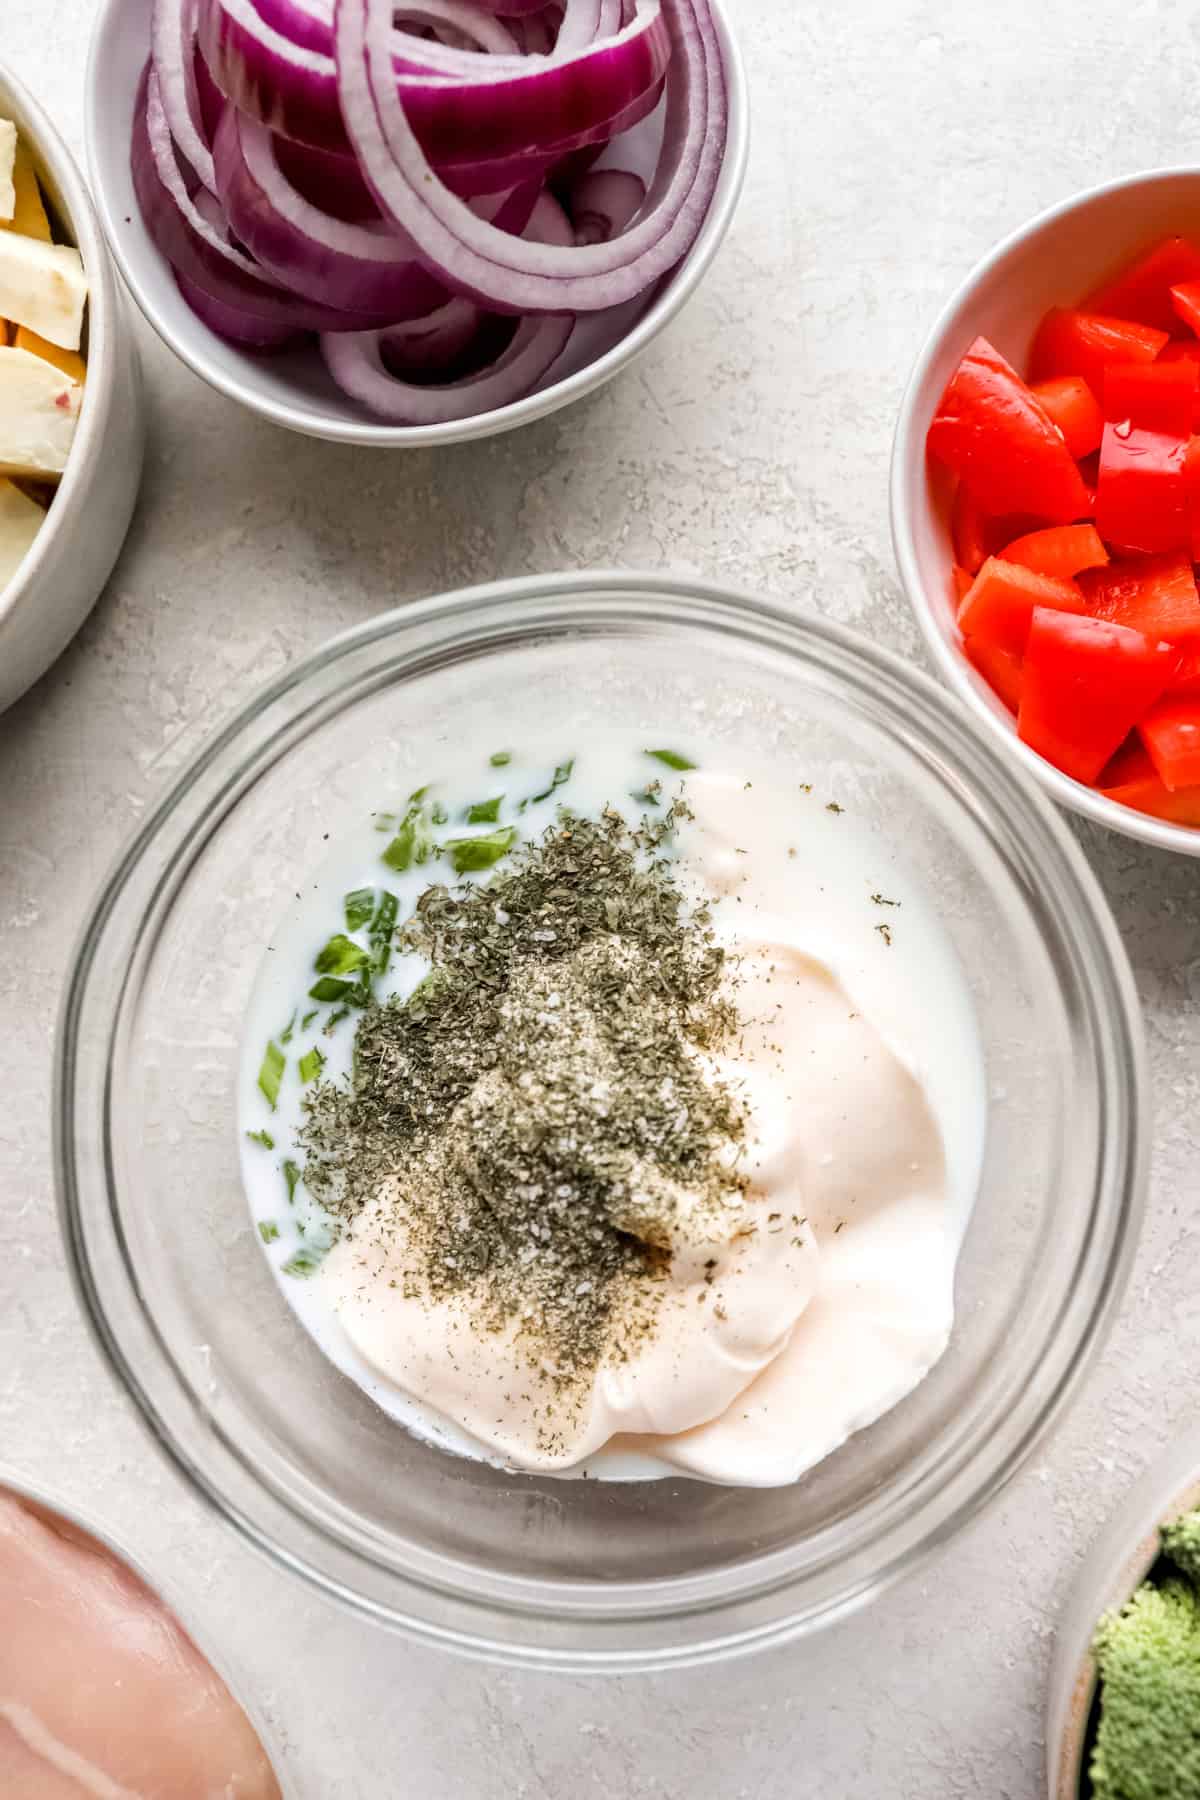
column 1171, row 733
column 1142, row 494
column 1186, row 679
column 1081, row 343
column 974, row 534
column 1000, row 442
column 1001, row 600
column 1158, row 396
column 1142, row 290
column 1132, row 780
column 1186, row 301
column 962, row 580
column 1086, row 684
column 1074, row 408
column 1059, row 550
column 1000, row 668
column 1154, row 594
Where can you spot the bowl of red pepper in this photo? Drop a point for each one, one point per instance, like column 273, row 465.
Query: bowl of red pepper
column 1045, row 500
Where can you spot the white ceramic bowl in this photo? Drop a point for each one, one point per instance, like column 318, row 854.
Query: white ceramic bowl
column 60, row 580
column 1115, row 1566
column 294, row 389
column 1054, row 260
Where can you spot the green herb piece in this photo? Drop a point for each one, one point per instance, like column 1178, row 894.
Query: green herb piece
column 268, row 1230
column 671, row 758
column 330, row 988
column 561, row 774
column 311, row 1064
column 412, row 843
column 359, row 905
column 467, row 855
column 304, row 1262
column 438, row 813
column 341, row 956
column 285, row 1036
column 383, row 929
column 484, row 812
column 270, row 1075
column 291, row 1174
column 262, row 1137
column 647, row 796
column 308, row 1018
column 335, row 1019
column 417, row 795
column 500, row 759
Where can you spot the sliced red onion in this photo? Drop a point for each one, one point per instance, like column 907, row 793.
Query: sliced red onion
column 481, row 29
column 173, row 50
column 212, row 100
column 238, row 327
column 503, row 108
column 537, row 32
column 428, row 346
column 509, row 274
column 356, row 360
column 603, row 203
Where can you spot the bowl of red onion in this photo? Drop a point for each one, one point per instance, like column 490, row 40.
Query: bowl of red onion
column 420, row 224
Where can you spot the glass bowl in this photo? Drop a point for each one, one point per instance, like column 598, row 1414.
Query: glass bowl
column 585, row 1575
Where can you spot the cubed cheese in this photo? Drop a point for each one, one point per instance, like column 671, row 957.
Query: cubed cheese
column 69, row 361
column 30, row 217
column 39, row 409
column 42, row 286
column 8, row 162
column 20, row 520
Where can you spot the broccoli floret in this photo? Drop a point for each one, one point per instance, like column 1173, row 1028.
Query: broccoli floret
column 1148, row 1743
column 1181, row 1542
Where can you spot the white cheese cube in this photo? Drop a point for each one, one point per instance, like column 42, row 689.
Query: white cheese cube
column 8, row 163
column 20, row 521
column 42, row 286
column 39, row 409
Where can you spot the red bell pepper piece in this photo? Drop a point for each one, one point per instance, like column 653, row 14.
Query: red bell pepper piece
column 1142, row 291
column 1186, row 679
column 1132, row 779
column 1186, row 301
column 1081, row 343
column 1158, row 396
column 1000, row 668
column 1171, row 733
column 1074, row 408
column 962, row 580
column 1086, row 685
column 1153, row 594
column 1001, row 600
column 1142, row 494
column 1059, row 550
column 1000, row 442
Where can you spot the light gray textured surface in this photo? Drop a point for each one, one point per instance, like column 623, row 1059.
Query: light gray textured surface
column 894, row 140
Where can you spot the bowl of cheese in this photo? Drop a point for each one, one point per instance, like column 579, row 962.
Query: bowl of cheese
column 71, row 428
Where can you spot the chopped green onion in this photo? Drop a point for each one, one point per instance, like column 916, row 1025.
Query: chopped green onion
column 285, row 1036
column 270, row 1075
column 268, row 1230
column 340, row 956
column 311, row 1064
column 383, row 927
column 359, row 905
column 335, row 1019
column 330, row 988
column 304, row 1262
column 291, row 1174
column 484, row 812
column 561, row 774
column 411, row 844
column 262, row 1137
column 438, row 813
column 671, row 758
column 417, row 795
column 500, row 759
column 308, row 1018
column 470, row 854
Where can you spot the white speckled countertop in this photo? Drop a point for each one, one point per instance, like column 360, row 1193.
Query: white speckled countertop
column 894, row 141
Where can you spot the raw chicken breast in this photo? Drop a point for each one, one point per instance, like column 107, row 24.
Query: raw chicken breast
column 102, row 1695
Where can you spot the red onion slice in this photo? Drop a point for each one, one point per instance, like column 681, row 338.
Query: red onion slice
column 427, row 346
column 356, row 360
column 173, row 52
column 603, row 202
column 515, row 275
column 238, row 327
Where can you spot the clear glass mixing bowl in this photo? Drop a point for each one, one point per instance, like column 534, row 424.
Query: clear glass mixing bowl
column 585, row 1575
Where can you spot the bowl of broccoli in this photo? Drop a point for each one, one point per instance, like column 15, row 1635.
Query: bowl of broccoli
column 1124, row 1714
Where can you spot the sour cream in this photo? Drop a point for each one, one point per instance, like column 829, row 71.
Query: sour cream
column 822, row 1299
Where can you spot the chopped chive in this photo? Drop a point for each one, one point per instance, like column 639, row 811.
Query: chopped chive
column 308, row 1018
column 500, row 759
column 268, row 1230
column 383, row 927
column 561, row 774
column 438, row 813
column 335, row 1019
column 411, row 844
column 304, row 1262
column 262, row 1137
column 359, row 905
column 671, row 758
column 470, row 854
column 291, row 1174
column 271, row 1073
column 329, row 988
column 484, row 812
column 311, row 1064
column 285, row 1036
column 417, row 795
column 340, row 957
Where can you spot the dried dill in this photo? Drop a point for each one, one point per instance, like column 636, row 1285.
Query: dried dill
column 537, row 1111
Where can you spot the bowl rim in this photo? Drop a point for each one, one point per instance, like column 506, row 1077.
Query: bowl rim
column 50, row 150
column 968, row 1478
column 52, row 1500
column 303, row 417
column 908, row 456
